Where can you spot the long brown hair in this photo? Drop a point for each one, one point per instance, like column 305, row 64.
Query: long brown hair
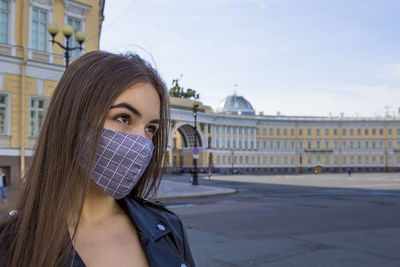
column 56, row 184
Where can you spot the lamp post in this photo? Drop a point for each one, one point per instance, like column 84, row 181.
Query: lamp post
column 195, row 180
column 67, row 30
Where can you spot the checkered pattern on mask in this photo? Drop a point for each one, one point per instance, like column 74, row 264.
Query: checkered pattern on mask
column 120, row 161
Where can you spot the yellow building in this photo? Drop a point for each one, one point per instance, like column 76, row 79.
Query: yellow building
column 30, row 67
column 235, row 139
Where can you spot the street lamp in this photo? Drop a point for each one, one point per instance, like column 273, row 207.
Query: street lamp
column 67, row 31
column 195, row 180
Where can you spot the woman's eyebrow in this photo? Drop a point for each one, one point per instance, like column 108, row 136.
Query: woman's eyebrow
column 126, row 105
column 155, row 121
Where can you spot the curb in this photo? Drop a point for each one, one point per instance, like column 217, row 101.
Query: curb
column 231, row 191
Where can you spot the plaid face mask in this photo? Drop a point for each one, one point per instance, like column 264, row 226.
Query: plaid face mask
column 121, row 160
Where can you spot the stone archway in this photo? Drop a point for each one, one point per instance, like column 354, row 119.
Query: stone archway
column 181, row 143
column 187, row 134
column 318, row 169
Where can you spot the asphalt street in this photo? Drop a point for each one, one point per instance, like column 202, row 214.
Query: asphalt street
column 323, row 220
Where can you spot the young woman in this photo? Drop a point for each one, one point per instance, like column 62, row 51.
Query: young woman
column 98, row 156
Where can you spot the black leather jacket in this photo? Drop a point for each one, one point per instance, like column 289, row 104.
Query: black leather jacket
column 160, row 231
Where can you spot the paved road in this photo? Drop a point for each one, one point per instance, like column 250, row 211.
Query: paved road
column 323, row 220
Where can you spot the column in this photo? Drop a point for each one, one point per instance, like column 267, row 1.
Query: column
column 255, row 138
column 206, row 135
column 226, row 136
column 237, row 138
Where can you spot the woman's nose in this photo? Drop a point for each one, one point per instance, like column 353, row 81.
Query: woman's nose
column 139, row 131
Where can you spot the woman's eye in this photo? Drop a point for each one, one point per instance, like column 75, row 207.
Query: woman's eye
column 122, row 118
column 151, row 129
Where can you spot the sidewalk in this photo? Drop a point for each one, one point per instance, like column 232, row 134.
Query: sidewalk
column 168, row 190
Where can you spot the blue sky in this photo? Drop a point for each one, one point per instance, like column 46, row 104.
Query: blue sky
column 299, row 57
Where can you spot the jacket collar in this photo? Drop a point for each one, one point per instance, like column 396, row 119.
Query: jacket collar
column 144, row 218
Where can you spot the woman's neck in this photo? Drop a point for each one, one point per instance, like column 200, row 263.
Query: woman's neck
column 98, row 206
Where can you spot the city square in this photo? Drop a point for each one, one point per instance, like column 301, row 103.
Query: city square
column 295, row 220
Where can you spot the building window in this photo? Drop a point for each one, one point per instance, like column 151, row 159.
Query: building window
column 300, row 132
column 390, row 144
column 301, row 144
column 334, row 131
column 351, row 131
column 366, row 144
column 344, row 144
column 359, row 160
column 335, row 144
column 373, row 159
column 373, row 144
column 366, row 159
column 4, row 17
column 278, row 160
column 291, row 132
column 278, row 144
column 264, row 143
column 381, row 132
column 326, row 143
column 327, row 132
column 344, row 132
column 265, row 160
column 285, row 160
column 373, row 131
column 278, row 131
column 292, row 160
column 39, row 29
column 292, row 144
column 271, row 160
column 351, row 144
column 344, row 160
column 3, row 114
column 358, row 131
column 271, row 131
column 285, row 144
column 309, row 132
column 309, row 144
column 352, row 160
column 218, row 160
column 366, row 131
column 285, row 132
column 247, row 159
column 318, row 158
column 389, row 131
column 252, row 160
column 382, row 160
column 265, row 131
column 36, row 116
column 309, row 159
column 359, row 144
column 271, row 144
column 318, row 132
column 381, row 144
column 318, row 143
column 326, row 159
column 241, row 160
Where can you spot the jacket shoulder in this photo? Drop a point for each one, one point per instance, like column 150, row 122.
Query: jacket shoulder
column 156, row 206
